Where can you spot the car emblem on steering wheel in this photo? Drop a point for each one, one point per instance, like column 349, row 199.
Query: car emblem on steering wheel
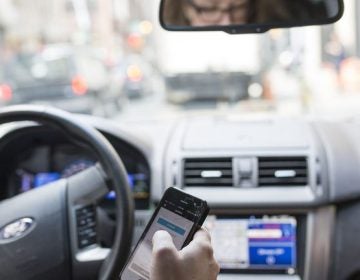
column 16, row 228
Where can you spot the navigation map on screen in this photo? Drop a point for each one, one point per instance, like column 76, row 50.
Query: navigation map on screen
column 254, row 243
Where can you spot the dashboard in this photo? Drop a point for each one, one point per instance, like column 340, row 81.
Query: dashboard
column 44, row 156
column 284, row 193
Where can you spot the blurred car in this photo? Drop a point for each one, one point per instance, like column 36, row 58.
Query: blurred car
column 68, row 78
column 138, row 77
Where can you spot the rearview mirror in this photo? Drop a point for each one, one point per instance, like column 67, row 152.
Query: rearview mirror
column 246, row 16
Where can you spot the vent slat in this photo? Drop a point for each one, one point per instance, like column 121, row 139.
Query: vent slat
column 283, row 171
column 288, row 164
column 197, row 165
column 271, row 172
column 208, row 172
column 190, row 181
column 225, row 173
column 276, row 181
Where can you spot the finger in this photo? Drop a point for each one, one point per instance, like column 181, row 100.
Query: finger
column 164, row 255
column 162, row 239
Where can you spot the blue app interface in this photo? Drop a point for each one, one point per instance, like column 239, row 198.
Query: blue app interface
column 255, row 243
column 272, row 244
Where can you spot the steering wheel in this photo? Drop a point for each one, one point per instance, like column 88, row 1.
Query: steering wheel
column 50, row 232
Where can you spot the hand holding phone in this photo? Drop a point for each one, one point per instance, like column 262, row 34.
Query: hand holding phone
column 180, row 215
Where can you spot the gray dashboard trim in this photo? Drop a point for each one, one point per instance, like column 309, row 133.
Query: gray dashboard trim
column 257, row 197
column 310, row 195
column 319, row 240
column 341, row 144
column 118, row 131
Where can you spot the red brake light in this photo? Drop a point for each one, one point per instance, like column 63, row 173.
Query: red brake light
column 134, row 73
column 6, row 93
column 79, row 86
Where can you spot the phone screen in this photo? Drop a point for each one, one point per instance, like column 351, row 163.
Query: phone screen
column 178, row 218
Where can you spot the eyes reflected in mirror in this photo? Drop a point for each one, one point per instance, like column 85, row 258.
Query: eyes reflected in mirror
column 216, row 12
column 203, row 13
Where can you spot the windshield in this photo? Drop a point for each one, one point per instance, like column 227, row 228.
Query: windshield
column 111, row 58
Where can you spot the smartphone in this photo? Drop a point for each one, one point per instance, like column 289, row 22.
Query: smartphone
column 181, row 215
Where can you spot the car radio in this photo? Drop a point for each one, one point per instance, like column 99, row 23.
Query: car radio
column 261, row 244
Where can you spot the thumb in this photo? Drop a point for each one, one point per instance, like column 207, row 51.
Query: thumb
column 162, row 240
column 164, row 255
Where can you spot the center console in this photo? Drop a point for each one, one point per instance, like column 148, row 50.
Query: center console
column 264, row 182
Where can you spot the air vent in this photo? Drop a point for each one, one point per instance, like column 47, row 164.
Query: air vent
column 208, row 172
column 283, row 171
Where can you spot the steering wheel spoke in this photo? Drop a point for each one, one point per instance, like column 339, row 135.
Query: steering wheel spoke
column 85, row 189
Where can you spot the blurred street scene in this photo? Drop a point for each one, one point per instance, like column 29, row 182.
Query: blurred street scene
column 111, row 58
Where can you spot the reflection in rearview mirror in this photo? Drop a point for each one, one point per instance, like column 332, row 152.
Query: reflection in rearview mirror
column 219, row 14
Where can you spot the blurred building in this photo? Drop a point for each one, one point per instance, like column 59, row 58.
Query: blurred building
column 37, row 19
column 51, row 21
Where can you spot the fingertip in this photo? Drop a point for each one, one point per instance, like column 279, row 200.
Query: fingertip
column 163, row 247
column 162, row 238
column 160, row 235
